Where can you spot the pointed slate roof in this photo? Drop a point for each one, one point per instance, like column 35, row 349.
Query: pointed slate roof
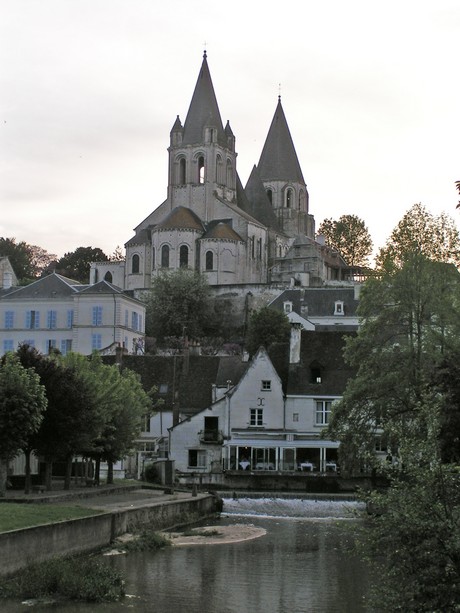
column 259, row 204
column 203, row 110
column 278, row 160
column 181, row 218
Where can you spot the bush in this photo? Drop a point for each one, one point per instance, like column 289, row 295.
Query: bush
column 151, row 474
column 148, row 540
column 72, row 578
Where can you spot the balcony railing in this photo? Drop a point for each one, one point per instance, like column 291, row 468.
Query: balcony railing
column 211, row 437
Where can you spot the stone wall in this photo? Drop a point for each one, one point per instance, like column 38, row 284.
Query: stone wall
column 18, row 548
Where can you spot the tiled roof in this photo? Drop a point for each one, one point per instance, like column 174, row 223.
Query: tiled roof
column 223, row 231
column 183, row 218
column 141, row 238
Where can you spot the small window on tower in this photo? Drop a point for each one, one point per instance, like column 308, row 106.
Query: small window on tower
column 201, row 170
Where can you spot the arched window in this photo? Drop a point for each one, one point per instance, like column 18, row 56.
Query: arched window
column 183, row 256
column 182, row 167
column 229, row 173
column 165, row 256
column 135, row 264
column 201, row 170
column 108, row 277
column 219, row 170
column 270, row 195
column 209, row 260
column 289, row 198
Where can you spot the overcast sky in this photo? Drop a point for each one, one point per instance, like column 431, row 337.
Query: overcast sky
column 89, row 91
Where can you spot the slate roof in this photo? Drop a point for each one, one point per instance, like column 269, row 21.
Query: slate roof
column 278, row 160
column 318, row 301
column 324, row 350
column 203, row 111
column 140, row 238
column 52, row 286
column 102, row 287
column 258, row 202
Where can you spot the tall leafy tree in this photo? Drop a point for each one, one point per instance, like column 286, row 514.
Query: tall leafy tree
column 76, row 264
column 350, row 236
column 419, row 231
column 28, row 261
column 22, row 405
column 178, row 305
column 267, row 327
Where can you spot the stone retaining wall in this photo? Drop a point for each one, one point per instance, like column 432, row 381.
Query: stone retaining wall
column 18, row 548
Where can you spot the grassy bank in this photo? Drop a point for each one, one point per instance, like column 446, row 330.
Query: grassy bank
column 14, row 516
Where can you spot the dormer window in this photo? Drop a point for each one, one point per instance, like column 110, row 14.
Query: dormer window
column 315, row 373
column 338, row 307
column 287, row 306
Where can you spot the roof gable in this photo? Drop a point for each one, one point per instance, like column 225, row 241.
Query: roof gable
column 52, row 286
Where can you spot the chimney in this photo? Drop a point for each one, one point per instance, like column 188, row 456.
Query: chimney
column 294, row 344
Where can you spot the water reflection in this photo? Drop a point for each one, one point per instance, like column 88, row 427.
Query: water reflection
column 301, row 565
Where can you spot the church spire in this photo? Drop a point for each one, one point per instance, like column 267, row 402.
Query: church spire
column 278, row 161
column 203, row 112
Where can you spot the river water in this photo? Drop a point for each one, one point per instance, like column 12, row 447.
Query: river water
column 304, row 563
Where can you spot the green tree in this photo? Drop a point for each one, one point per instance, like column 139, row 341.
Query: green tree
column 350, row 236
column 28, row 261
column 266, row 327
column 434, row 236
column 22, row 405
column 410, row 318
column 76, row 264
column 178, row 305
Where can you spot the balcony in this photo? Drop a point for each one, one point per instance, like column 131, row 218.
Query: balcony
column 211, row 437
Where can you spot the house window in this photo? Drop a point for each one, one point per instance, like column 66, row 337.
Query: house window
column 295, row 417
column 287, row 306
column 97, row 316
column 30, row 342
column 51, row 317
column 96, row 341
column 70, row 318
column 256, row 417
column 183, row 256
column 32, row 320
column 126, row 318
column 51, row 345
column 323, row 412
column 8, row 345
column 209, row 260
column 266, row 385
column 9, row 319
column 66, row 346
column 135, row 321
column 197, row 458
column 135, row 264
column 147, row 423
column 165, row 256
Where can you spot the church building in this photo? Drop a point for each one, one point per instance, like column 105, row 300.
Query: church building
column 210, row 223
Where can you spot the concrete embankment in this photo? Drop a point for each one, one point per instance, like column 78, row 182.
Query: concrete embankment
column 121, row 514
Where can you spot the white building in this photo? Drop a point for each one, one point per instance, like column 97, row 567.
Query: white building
column 58, row 313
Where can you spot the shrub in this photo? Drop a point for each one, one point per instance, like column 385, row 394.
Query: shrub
column 151, row 473
column 148, row 540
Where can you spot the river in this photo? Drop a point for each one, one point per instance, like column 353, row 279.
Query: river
column 304, row 563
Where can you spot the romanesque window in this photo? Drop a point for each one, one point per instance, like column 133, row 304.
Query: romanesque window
column 270, row 195
column 165, row 256
column 182, row 173
column 108, row 277
column 183, row 256
column 209, row 260
column 289, row 196
column 229, row 173
column 201, row 170
column 135, row 264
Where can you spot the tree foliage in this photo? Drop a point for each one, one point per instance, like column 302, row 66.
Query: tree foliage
column 434, row 236
column 350, row 236
column 266, row 327
column 76, row 264
column 178, row 305
column 29, row 262
column 22, row 404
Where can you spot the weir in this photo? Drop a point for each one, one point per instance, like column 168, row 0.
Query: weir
column 292, row 507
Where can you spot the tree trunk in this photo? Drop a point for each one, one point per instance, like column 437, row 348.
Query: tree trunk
column 97, row 470
column 68, row 473
column 109, row 472
column 3, row 476
column 48, row 474
column 28, row 479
